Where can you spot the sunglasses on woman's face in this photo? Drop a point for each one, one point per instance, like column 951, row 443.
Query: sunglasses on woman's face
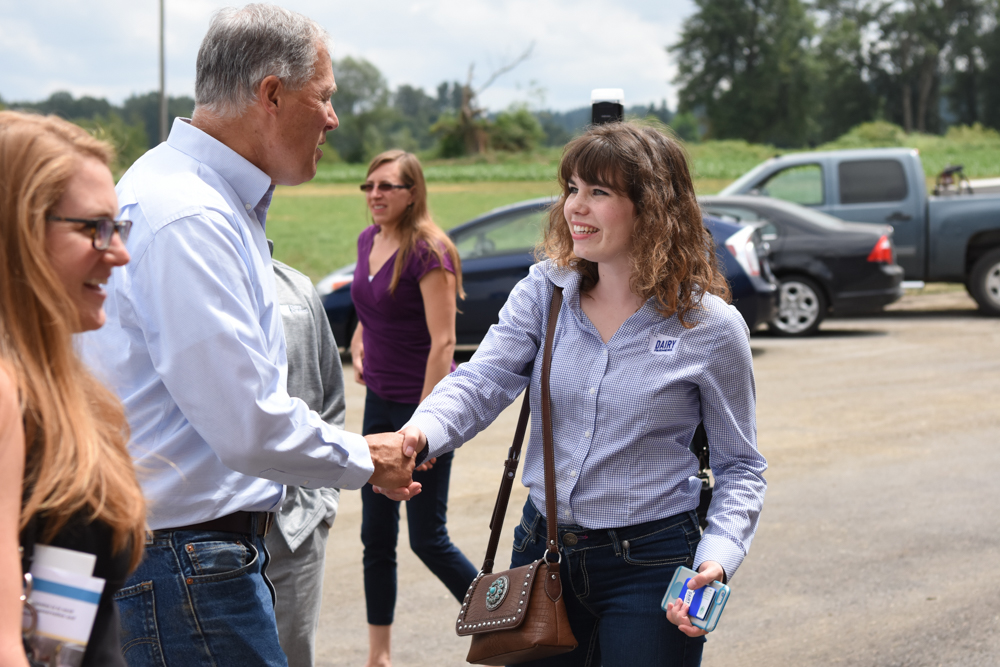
column 101, row 229
column 382, row 187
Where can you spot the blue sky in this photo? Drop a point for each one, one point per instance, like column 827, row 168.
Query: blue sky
column 108, row 48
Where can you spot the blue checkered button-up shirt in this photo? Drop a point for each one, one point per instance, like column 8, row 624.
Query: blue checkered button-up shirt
column 623, row 412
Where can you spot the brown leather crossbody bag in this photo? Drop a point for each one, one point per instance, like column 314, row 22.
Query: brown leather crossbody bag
column 519, row 615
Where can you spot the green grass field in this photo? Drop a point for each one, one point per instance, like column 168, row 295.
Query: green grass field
column 315, row 226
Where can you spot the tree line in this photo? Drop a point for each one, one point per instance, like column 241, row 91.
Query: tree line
column 132, row 128
column 794, row 73
column 447, row 123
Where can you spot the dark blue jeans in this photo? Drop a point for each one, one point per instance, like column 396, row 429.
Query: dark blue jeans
column 613, row 583
column 426, row 516
column 200, row 598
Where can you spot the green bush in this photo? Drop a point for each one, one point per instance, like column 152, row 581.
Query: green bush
column 877, row 134
column 516, row 129
column 129, row 139
column 728, row 159
column 451, row 141
column 975, row 147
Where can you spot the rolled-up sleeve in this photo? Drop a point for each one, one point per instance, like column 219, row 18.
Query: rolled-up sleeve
column 193, row 295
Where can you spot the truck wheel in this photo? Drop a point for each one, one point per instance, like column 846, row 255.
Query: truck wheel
column 984, row 282
column 801, row 307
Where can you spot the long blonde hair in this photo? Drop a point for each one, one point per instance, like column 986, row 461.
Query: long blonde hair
column 75, row 428
column 673, row 255
column 416, row 225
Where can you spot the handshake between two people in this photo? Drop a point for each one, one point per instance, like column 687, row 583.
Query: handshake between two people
column 394, row 456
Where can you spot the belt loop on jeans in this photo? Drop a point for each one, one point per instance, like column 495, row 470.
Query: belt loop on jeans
column 237, row 522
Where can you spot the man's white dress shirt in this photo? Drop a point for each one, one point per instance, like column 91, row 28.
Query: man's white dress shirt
column 194, row 347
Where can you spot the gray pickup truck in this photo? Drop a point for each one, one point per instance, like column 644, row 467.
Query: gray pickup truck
column 948, row 238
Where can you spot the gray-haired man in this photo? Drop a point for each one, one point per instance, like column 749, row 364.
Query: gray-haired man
column 194, row 347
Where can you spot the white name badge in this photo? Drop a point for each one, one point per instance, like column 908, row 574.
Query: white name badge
column 663, row 344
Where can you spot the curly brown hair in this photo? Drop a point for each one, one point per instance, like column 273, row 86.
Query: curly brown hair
column 673, row 255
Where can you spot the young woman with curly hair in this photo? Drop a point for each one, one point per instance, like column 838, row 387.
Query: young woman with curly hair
column 645, row 349
column 65, row 474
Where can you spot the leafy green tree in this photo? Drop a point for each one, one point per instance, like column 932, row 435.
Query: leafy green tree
column 449, row 96
column 686, row 126
column 129, row 139
column 64, row 105
column 417, row 112
column 556, row 133
column 147, row 108
column 920, row 42
column 974, row 39
column 844, row 94
column 516, row 129
column 362, row 104
column 748, row 65
column 452, row 132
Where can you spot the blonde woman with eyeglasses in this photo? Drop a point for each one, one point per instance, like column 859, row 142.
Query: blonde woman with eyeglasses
column 66, row 478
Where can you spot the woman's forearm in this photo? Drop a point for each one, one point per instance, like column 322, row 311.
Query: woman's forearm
column 11, row 475
column 438, row 365
column 358, row 354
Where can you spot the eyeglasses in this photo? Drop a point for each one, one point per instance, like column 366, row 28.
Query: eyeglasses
column 383, row 187
column 101, row 229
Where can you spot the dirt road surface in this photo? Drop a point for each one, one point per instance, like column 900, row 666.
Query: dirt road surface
column 879, row 543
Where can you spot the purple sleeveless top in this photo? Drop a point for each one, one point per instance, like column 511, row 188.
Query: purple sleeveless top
column 395, row 332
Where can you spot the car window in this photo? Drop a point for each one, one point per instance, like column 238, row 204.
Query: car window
column 867, row 181
column 502, row 236
column 737, row 213
column 800, row 185
column 767, row 231
column 791, row 213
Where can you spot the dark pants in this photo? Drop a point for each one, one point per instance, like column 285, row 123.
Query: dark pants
column 426, row 516
column 613, row 583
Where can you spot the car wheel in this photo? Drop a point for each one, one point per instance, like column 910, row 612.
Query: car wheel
column 984, row 282
column 801, row 307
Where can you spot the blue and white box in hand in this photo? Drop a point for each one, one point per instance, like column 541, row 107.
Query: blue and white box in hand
column 705, row 604
column 65, row 595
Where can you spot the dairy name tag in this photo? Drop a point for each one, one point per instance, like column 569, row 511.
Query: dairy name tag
column 66, row 603
column 699, row 600
column 663, row 344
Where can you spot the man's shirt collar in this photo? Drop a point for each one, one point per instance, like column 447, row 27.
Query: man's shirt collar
column 251, row 184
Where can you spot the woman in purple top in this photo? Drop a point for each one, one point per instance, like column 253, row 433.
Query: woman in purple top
column 404, row 291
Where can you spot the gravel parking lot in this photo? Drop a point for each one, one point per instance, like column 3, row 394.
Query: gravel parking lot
column 879, row 540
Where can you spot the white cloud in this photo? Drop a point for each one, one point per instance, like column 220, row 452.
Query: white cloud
column 109, row 47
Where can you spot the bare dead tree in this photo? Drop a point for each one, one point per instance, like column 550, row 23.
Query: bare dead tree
column 473, row 134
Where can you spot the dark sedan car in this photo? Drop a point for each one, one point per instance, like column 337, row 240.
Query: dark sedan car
column 497, row 251
column 824, row 265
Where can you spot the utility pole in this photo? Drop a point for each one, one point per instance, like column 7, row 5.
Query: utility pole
column 163, row 80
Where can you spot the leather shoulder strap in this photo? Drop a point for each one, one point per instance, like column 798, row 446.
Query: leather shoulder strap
column 514, row 453
column 552, row 544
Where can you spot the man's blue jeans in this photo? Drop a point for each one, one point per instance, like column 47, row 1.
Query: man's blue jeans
column 613, row 584
column 200, row 598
